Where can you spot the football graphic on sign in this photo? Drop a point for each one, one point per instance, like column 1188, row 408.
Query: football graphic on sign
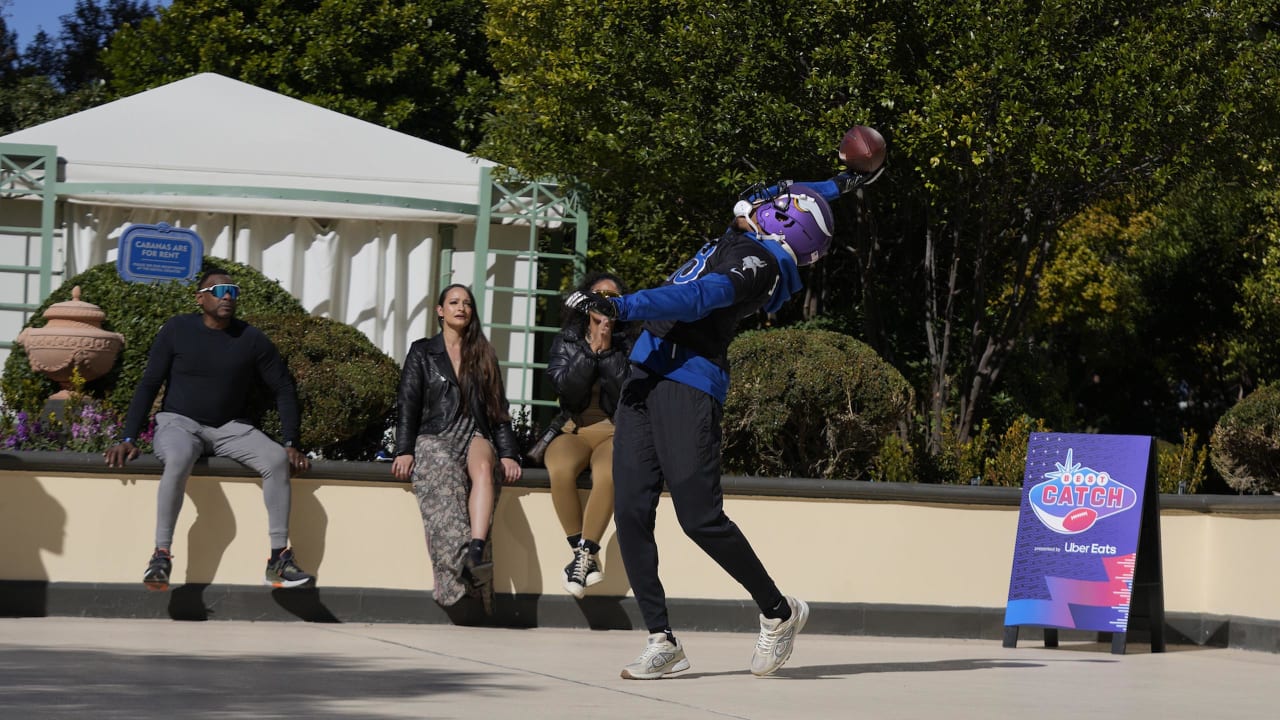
column 1074, row 498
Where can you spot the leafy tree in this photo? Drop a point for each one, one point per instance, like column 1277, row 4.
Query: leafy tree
column 8, row 48
column 665, row 110
column 1253, row 349
column 42, row 58
column 85, row 33
column 34, row 100
column 1006, row 120
column 416, row 67
column 56, row 77
column 1017, row 132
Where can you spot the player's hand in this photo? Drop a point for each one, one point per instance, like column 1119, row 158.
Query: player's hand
column 591, row 302
column 510, row 471
column 118, row 455
column 848, row 181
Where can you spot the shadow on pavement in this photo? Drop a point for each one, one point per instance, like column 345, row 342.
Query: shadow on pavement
column 93, row 683
column 819, row 672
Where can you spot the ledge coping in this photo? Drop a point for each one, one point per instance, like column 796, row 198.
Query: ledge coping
column 799, row 488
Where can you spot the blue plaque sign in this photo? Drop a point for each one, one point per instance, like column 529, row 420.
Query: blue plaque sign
column 157, row 253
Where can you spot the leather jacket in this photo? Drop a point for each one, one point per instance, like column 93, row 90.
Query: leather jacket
column 430, row 398
column 574, row 368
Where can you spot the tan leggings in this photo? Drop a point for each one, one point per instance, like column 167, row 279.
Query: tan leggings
column 567, row 456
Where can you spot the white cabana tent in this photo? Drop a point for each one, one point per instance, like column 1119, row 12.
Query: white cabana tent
column 362, row 224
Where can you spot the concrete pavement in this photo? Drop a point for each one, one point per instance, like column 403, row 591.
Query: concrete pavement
column 60, row 667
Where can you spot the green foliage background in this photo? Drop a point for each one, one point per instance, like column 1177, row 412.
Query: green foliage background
column 1078, row 221
column 419, row 67
column 1007, row 121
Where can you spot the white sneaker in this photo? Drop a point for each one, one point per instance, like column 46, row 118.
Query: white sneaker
column 582, row 572
column 777, row 638
column 660, row 658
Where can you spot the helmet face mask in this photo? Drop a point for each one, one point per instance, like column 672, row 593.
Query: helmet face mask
column 800, row 218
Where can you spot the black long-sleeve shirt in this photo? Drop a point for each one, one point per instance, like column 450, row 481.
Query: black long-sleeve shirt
column 210, row 373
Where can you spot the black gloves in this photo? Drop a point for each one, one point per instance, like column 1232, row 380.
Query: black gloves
column 591, row 302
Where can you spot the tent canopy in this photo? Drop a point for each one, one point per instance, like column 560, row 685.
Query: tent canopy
column 210, row 143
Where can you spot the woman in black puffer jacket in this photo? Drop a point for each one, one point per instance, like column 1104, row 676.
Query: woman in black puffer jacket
column 588, row 364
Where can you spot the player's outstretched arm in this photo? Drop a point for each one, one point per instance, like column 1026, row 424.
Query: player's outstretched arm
column 684, row 302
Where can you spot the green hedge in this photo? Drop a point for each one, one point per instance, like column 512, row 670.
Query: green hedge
column 346, row 385
column 809, row 403
column 136, row 311
column 1245, row 446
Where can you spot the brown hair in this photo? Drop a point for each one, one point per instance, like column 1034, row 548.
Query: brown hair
column 479, row 370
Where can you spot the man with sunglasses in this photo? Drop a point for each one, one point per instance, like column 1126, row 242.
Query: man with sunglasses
column 208, row 361
column 668, row 417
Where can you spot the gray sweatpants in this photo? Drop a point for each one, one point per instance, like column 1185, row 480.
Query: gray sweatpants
column 180, row 441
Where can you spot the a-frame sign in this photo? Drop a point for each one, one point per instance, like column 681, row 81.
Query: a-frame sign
column 1087, row 555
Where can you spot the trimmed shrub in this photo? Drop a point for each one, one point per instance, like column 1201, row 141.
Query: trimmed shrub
column 1245, row 446
column 136, row 311
column 346, row 385
column 809, row 403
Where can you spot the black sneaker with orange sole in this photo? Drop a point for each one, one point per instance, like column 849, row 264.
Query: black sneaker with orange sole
column 157, row 576
column 285, row 573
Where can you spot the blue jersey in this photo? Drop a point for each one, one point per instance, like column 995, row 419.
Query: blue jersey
column 691, row 319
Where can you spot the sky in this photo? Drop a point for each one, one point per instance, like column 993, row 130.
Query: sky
column 27, row 17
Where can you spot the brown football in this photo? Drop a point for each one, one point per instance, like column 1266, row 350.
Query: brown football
column 862, row 149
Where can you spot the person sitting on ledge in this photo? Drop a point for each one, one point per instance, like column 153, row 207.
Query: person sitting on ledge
column 210, row 360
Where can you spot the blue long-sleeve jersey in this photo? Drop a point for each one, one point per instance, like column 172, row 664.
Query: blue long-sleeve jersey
column 692, row 318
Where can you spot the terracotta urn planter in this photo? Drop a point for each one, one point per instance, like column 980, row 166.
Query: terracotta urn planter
column 73, row 339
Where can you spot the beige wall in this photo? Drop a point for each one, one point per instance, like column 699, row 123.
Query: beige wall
column 79, row 528
column 1242, row 567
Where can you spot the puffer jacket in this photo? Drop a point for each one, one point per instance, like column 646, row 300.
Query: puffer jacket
column 430, row 398
column 574, row 368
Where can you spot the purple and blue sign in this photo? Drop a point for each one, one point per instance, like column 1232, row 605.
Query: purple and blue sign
column 158, row 253
column 1078, row 531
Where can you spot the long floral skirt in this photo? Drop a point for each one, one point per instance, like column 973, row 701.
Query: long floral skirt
column 442, row 486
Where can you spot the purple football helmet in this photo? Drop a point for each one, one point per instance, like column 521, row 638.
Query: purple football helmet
column 801, row 218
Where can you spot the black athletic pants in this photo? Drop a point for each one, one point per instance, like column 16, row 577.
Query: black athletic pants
column 669, row 431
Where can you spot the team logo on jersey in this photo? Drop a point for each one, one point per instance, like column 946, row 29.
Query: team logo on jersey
column 750, row 263
column 1074, row 498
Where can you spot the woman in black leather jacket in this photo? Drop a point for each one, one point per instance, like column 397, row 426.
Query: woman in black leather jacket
column 454, row 439
column 587, row 367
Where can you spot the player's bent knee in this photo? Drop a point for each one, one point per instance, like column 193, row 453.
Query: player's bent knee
column 696, row 525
